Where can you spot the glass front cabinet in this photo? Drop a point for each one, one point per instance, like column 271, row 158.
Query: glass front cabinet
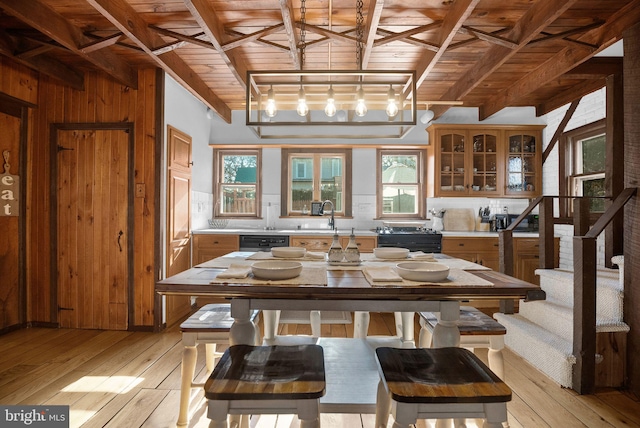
column 485, row 161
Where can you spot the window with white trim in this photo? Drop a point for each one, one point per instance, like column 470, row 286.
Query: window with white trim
column 401, row 190
column 237, row 183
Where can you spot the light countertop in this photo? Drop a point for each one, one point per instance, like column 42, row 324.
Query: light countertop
column 346, row 232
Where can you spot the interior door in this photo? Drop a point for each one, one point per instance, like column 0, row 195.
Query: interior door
column 178, row 217
column 10, row 304
column 93, row 252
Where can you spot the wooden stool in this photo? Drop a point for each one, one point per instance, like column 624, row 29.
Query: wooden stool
column 438, row 383
column 209, row 325
column 267, row 380
column 477, row 330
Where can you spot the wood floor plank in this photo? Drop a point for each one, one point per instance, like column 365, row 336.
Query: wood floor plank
column 101, row 376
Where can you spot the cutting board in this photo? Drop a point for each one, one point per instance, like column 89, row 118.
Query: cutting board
column 459, row 219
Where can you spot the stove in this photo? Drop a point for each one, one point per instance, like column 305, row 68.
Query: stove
column 412, row 237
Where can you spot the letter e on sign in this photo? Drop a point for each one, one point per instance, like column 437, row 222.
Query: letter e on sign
column 9, row 195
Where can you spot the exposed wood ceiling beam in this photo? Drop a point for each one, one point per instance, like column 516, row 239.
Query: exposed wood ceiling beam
column 247, row 38
column 389, row 36
column 49, row 22
column 595, row 68
column 286, row 8
column 488, row 37
column 183, row 37
column 370, row 28
column 208, row 20
column 475, row 39
column 561, row 127
column 565, row 60
column 565, row 34
column 31, row 52
column 562, row 98
column 102, row 43
column 260, row 41
column 42, row 63
column 410, row 40
column 125, row 18
column 539, row 16
column 333, row 35
column 458, row 14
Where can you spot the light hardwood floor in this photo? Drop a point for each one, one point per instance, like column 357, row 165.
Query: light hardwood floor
column 129, row 380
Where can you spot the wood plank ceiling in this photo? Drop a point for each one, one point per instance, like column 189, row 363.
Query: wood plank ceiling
column 489, row 54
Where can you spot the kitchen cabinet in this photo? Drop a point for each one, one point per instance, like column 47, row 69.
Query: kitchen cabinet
column 365, row 244
column 526, row 257
column 485, row 161
column 481, row 250
column 210, row 246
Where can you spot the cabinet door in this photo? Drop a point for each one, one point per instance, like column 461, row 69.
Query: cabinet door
column 207, row 247
column 484, row 168
column 365, row 244
column 450, row 153
column 311, row 243
column 523, row 166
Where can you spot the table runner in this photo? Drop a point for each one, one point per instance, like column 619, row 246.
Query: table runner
column 308, row 276
column 457, row 278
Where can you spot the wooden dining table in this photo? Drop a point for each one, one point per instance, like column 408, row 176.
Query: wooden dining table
column 344, row 289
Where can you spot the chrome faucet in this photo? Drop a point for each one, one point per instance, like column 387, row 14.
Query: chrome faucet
column 332, row 221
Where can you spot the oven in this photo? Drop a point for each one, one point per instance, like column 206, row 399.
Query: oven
column 262, row 242
column 411, row 237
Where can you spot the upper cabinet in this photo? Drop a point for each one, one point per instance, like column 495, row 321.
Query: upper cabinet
column 485, row 161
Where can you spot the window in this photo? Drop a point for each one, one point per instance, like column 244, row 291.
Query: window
column 316, row 175
column 400, row 184
column 585, row 154
column 237, row 184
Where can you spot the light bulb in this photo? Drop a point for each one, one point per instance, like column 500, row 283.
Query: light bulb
column 330, row 108
column 302, row 109
column 271, row 108
column 427, row 116
column 361, row 107
column 392, row 107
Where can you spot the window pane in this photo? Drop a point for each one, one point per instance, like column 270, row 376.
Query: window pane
column 239, row 169
column 399, row 169
column 399, row 199
column 238, row 199
column 331, row 181
column 594, row 187
column 593, row 154
column 301, row 183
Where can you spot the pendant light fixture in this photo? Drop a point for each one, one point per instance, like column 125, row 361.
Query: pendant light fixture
column 303, row 108
column 330, row 109
column 392, row 106
column 361, row 106
column 271, row 110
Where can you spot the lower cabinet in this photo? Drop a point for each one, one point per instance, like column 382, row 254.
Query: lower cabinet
column 481, row 250
column 526, row 258
column 365, row 244
column 210, row 246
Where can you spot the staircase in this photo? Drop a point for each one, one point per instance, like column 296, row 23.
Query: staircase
column 542, row 331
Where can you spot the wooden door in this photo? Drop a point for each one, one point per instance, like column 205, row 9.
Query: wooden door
column 93, row 242
column 10, row 293
column 178, row 217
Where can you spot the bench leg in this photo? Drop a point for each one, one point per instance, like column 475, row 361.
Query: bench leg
column 217, row 412
column 316, row 323
column 496, row 414
column 309, row 413
column 187, row 372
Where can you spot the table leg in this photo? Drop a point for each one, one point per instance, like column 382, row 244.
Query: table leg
column 243, row 331
column 187, row 372
column 496, row 359
column 360, row 324
column 407, row 328
column 446, row 332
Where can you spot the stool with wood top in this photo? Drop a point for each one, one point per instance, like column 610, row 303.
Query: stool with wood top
column 250, row 380
column 438, row 383
column 477, row 330
column 209, row 325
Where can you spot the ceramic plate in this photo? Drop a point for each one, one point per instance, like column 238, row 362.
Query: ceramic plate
column 423, row 271
column 288, row 252
column 276, row 269
column 391, row 253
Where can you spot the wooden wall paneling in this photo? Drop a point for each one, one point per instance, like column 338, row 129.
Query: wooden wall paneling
column 18, row 81
column 631, row 84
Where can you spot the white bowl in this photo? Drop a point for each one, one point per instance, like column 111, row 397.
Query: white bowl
column 423, row 271
column 391, row 253
column 275, row 269
column 288, row 252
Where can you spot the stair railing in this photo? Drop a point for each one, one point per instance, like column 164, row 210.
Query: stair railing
column 584, row 272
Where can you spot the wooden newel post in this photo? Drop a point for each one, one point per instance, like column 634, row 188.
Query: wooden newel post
column 584, row 314
column 505, row 240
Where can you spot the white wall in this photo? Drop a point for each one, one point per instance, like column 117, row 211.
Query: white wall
column 591, row 108
column 186, row 113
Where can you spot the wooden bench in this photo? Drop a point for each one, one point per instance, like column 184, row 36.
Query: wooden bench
column 267, row 380
column 438, row 383
column 477, row 330
column 210, row 325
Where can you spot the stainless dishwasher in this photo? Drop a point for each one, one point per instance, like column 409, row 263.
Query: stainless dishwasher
column 262, row 242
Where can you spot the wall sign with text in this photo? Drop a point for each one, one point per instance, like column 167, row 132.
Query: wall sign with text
column 9, row 190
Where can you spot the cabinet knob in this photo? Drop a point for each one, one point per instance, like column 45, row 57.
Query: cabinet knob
column 461, row 245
